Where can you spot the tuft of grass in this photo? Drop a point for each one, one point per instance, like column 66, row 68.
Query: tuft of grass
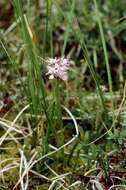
column 80, row 39
column 36, row 93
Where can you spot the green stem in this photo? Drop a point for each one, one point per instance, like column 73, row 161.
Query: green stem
column 105, row 54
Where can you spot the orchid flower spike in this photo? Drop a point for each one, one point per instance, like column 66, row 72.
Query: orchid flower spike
column 57, row 68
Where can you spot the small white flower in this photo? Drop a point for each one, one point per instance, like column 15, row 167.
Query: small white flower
column 57, row 68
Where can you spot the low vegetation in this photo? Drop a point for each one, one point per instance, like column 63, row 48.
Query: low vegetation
column 62, row 95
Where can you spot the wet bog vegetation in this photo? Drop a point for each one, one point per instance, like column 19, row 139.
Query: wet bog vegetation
column 62, row 95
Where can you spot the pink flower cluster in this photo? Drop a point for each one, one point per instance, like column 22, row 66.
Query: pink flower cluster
column 57, row 68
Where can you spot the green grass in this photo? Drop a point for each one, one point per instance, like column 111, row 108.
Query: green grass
column 56, row 134
column 105, row 52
